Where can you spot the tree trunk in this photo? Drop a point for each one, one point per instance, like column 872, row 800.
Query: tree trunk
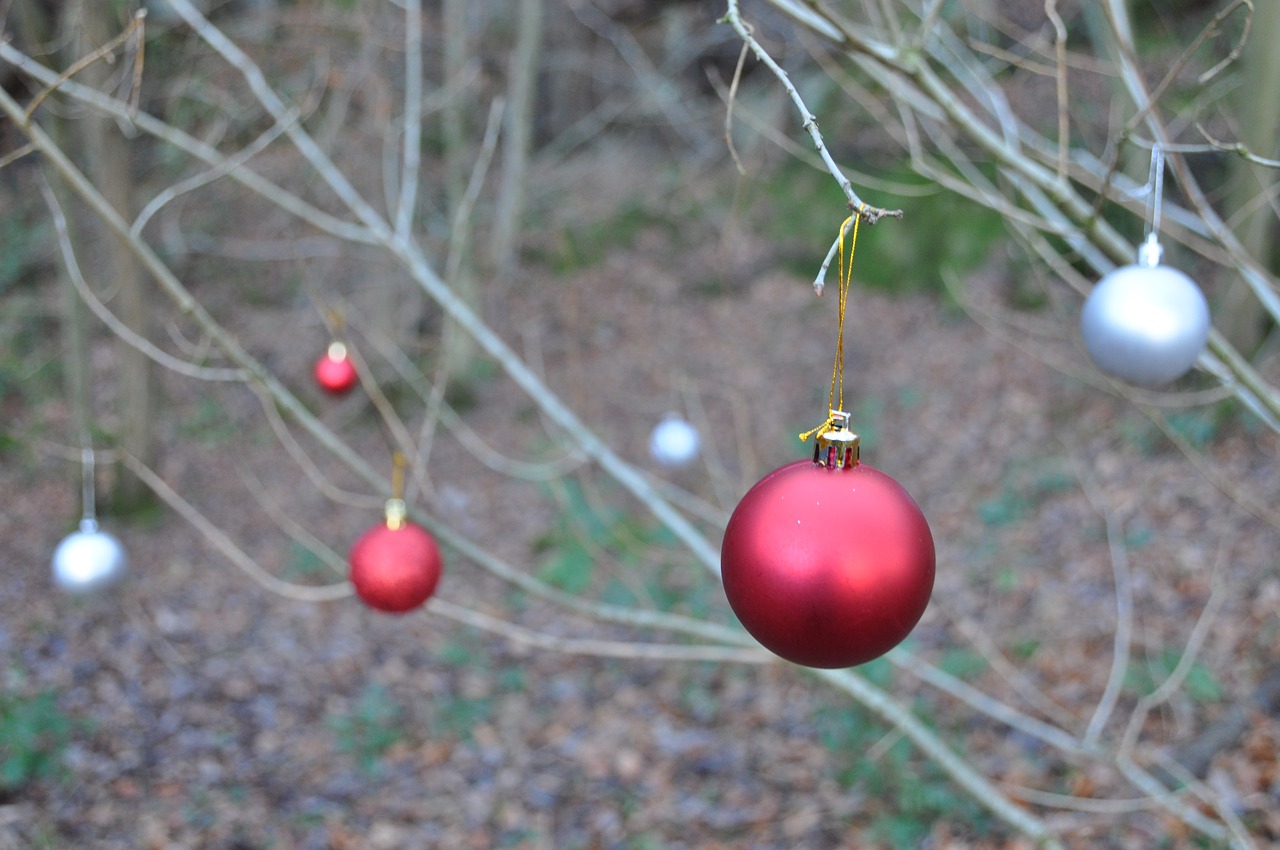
column 518, row 139
column 458, row 347
column 1240, row 317
column 105, row 154
column 35, row 25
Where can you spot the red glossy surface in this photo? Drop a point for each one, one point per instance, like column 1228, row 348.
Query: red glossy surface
column 395, row 570
column 335, row 375
column 828, row 567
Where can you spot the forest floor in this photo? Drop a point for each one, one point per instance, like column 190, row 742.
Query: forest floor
column 203, row 711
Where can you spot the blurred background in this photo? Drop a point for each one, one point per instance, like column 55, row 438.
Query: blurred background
column 632, row 206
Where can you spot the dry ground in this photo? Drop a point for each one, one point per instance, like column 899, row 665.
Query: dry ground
column 210, row 713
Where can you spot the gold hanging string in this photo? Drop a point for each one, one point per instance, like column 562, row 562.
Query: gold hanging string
column 835, row 398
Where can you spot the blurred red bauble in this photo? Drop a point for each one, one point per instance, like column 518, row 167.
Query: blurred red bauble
column 828, row 567
column 395, row 569
column 334, row 372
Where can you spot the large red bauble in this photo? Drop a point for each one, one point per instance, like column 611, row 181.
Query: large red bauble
column 395, row 570
column 335, row 374
column 828, row 567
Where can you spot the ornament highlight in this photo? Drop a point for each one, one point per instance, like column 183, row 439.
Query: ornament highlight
column 396, row 565
column 828, row 564
column 88, row 560
column 674, row 443
column 1145, row 323
column 334, row 372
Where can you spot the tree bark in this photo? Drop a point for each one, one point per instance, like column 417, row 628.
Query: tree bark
column 518, row 140
column 1240, row 317
column 458, row 349
column 105, row 154
column 35, row 25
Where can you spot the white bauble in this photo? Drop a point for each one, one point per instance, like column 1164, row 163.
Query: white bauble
column 674, row 443
column 88, row 560
column 1145, row 323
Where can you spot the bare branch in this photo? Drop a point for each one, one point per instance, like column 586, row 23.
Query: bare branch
column 119, row 328
column 810, row 122
column 1190, row 652
column 411, row 152
column 189, row 144
column 987, row 705
column 1060, row 65
column 1238, row 148
column 634, row 650
column 732, row 99
column 1123, row 635
column 14, row 156
column 960, row 771
column 135, row 27
column 224, row 544
column 204, row 178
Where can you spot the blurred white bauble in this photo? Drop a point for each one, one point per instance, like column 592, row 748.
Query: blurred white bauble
column 1145, row 323
column 674, row 443
column 88, row 560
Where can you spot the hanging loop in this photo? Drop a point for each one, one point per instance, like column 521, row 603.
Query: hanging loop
column 396, row 510
column 89, row 521
column 837, row 421
column 1156, row 179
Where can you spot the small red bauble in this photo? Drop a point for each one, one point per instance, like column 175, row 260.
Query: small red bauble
column 395, row 569
column 828, row 567
column 334, row 372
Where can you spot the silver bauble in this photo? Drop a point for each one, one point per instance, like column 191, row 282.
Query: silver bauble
column 88, row 560
column 674, row 443
column 1145, row 323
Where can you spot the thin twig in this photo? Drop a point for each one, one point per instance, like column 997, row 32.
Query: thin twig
column 1168, row 800
column 1238, row 47
column 204, row 178
column 960, row 770
column 932, row 11
column 1240, row 837
column 460, row 232
column 427, row 432
column 797, row 149
column 654, row 86
column 987, row 705
column 289, row 525
column 1238, row 148
column 482, row 451
column 1190, row 652
column 1007, row 670
column 10, row 158
column 1224, row 483
column 728, row 110
column 85, row 61
column 1124, row 610
column 634, row 650
column 386, row 410
column 295, row 450
column 119, row 328
column 224, row 544
column 270, row 100
column 1060, row 63
column 870, row 213
column 411, row 153
column 187, row 143
column 1092, row 805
